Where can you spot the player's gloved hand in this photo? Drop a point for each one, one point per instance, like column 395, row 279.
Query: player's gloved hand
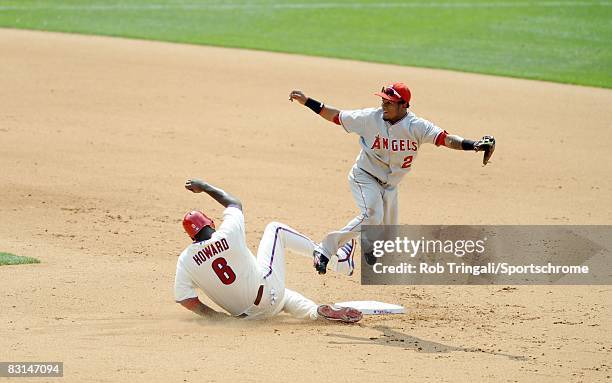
column 487, row 145
column 216, row 316
column 195, row 185
column 298, row 96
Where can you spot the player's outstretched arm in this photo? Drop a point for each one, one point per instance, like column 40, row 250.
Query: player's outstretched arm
column 224, row 198
column 456, row 142
column 486, row 144
column 196, row 306
column 327, row 112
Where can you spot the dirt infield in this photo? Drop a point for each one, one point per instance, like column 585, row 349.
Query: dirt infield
column 98, row 136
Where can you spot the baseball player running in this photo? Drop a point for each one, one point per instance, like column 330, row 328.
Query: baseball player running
column 390, row 137
column 220, row 264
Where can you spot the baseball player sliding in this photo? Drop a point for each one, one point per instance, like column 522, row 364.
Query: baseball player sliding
column 220, row 264
column 390, row 137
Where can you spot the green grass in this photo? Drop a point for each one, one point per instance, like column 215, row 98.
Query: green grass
column 12, row 259
column 562, row 41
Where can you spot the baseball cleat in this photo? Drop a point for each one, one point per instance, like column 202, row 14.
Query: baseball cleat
column 346, row 254
column 369, row 257
column 320, row 261
column 342, row 314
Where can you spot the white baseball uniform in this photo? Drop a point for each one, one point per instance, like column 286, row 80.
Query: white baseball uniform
column 228, row 273
column 387, row 154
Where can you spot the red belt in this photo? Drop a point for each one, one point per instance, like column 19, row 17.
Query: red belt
column 257, row 300
column 259, row 295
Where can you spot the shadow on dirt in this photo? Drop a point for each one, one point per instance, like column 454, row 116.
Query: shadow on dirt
column 392, row 338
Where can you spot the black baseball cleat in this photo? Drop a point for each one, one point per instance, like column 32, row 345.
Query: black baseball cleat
column 320, row 261
column 369, row 257
column 342, row 314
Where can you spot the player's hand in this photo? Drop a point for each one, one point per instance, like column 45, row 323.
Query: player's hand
column 216, row 316
column 298, row 96
column 195, row 185
column 209, row 314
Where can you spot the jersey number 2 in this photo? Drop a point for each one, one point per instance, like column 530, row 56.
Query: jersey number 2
column 407, row 162
column 223, row 271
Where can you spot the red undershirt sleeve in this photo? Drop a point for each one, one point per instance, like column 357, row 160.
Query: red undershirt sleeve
column 441, row 137
column 337, row 119
column 190, row 303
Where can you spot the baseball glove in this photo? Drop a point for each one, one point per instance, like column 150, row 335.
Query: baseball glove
column 487, row 145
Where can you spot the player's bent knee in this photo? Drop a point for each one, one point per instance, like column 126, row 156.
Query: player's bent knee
column 272, row 226
column 373, row 217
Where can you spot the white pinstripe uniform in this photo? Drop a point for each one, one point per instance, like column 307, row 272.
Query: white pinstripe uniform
column 224, row 268
column 387, row 154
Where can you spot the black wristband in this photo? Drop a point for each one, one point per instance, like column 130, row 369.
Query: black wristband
column 314, row 105
column 468, row 145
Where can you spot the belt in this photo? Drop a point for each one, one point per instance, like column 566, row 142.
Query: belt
column 373, row 176
column 256, row 302
column 259, row 295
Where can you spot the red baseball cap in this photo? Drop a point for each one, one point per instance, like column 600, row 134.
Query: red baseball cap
column 396, row 92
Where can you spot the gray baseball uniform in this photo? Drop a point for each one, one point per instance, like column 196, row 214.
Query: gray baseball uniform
column 387, row 154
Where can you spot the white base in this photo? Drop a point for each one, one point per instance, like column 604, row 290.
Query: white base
column 373, row 307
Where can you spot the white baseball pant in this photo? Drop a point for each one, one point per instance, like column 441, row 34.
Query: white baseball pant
column 276, row 239
column 378, row 205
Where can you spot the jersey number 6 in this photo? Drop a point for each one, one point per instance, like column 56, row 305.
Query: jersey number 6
column 223, row 271
column 407, row 162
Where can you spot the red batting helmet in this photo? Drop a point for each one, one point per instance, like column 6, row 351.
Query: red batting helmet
column 194, row 221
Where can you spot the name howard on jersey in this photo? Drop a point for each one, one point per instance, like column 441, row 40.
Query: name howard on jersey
column 210, row 251
column 395, row 145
